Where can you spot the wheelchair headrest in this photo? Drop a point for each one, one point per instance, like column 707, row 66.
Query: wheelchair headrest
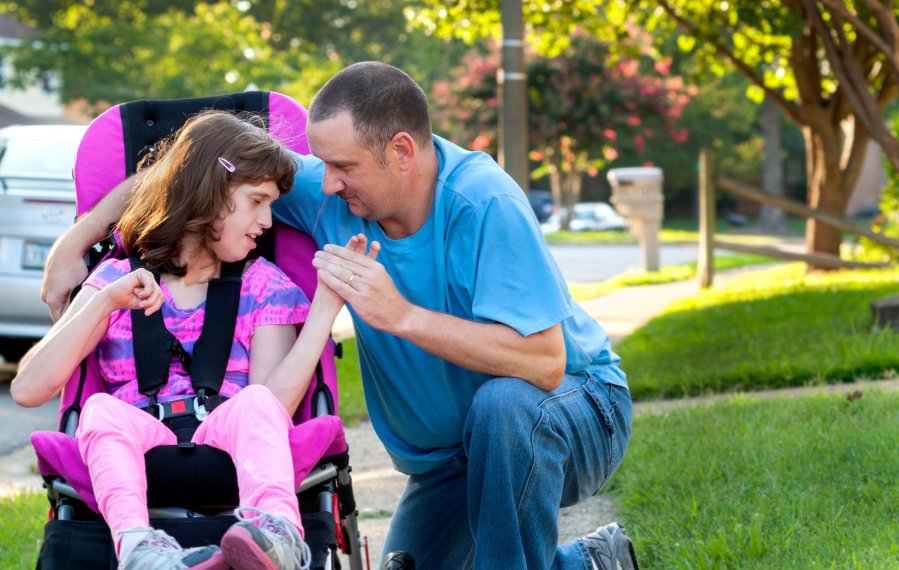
column 116, row 140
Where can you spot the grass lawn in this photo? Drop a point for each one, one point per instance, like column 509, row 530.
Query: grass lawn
column 770, row 329
column 799, row 483
column 22, row 530
column 351, row 402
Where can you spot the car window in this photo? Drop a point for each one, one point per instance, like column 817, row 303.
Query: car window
column 35, row 157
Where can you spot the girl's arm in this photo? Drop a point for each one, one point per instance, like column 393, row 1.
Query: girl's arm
column 287, row 370
column 44, row 370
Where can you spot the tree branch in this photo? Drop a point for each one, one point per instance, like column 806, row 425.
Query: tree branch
column 857, row 23
column 853, row 80
column 791, row 110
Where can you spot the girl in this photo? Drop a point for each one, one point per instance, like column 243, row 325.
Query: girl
column 205, row 202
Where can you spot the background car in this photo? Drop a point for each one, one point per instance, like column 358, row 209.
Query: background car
column 37, row 203
column 589, row 216
column 597, row 216
column 542, row 203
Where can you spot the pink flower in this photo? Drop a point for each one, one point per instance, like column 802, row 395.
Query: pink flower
column 664, row 66
column 680, row 136
column 480, row 142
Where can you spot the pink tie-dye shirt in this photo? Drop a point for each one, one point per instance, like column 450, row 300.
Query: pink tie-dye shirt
column 267, row 297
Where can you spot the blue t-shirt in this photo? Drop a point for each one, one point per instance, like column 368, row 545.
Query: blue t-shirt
column 480, row 256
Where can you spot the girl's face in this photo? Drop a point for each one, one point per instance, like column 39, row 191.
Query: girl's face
column 249, row 216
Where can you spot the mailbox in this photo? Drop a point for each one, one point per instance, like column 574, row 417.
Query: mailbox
column 637, row 195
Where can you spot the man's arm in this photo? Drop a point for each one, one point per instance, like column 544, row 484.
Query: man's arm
column 65, row 264
column 488, row 348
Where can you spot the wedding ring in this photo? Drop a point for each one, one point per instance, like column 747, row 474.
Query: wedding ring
column 350, row 280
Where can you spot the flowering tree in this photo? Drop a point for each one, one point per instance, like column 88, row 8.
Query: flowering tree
column 583, row 113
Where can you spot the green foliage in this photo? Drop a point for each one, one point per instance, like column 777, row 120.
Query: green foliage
column 804, row 483
column 551, row 23
column 119, row 52
column 822, row 49
column 887, row 222
column 583, row 112
column 773, row 329
column 126, row 49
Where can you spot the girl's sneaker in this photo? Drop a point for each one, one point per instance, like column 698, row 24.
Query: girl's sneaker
column 159, row 551
column 263, row 541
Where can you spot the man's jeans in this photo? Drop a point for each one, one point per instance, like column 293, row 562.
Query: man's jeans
column 526, row 453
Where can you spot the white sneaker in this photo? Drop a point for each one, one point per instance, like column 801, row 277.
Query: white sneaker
column 159, row 551
column 275, row 544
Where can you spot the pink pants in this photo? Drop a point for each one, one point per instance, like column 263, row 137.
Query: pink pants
column 251, row 427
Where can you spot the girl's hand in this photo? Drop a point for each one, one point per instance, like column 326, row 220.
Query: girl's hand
column 136, row 290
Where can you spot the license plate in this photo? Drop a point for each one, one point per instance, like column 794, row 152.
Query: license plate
column 34, row 254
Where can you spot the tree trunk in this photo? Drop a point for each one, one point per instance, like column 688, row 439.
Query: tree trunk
column 835, row 143
column 771, row 219
column 834, row 157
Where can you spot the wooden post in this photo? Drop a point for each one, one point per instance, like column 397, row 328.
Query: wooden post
column 705, row 267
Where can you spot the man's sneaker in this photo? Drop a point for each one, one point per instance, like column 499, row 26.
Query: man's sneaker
column 263, row 541
column 610, row 548
column 159, row 551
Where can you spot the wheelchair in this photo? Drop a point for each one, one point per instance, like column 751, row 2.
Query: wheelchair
column 192, row 490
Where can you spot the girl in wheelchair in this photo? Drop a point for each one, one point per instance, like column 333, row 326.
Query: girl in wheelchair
column 202, row 206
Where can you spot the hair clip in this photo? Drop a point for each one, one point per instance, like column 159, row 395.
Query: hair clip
column 228, row 166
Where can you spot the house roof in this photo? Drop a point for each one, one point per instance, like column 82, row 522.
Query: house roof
column 10, row 28
column 11, row 117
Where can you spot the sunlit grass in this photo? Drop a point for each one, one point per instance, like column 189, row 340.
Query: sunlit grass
column 771, row 329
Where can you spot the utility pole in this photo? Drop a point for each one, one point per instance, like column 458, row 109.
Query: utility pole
column 512, row 81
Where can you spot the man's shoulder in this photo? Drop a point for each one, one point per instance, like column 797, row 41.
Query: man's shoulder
column 474, row 176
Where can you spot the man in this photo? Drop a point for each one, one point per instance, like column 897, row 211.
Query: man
column 496, row 393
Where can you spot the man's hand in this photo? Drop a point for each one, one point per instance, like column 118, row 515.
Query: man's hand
column 357, row 243
column 65, row 265
column 362, row 282
column 62, row 272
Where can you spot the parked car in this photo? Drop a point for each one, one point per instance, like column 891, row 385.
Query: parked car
column 596, row 216
column 37, row 203
column 589, row 216
column 542, row 203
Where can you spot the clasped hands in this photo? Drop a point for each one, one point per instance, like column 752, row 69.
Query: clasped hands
column 361, row 281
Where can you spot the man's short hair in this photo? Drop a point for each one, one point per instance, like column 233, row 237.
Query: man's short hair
column 382, row 101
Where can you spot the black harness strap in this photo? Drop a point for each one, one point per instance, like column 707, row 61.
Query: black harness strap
column 155, row 345
column 213, row 348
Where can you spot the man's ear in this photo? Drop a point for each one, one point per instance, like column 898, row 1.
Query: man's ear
column 404, row 150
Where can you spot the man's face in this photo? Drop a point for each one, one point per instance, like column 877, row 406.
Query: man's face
column 351, row 172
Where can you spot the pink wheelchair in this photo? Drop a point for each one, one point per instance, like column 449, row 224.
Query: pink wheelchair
column 192, row 489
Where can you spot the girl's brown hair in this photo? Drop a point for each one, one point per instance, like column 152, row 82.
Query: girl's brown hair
column 188, row 187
